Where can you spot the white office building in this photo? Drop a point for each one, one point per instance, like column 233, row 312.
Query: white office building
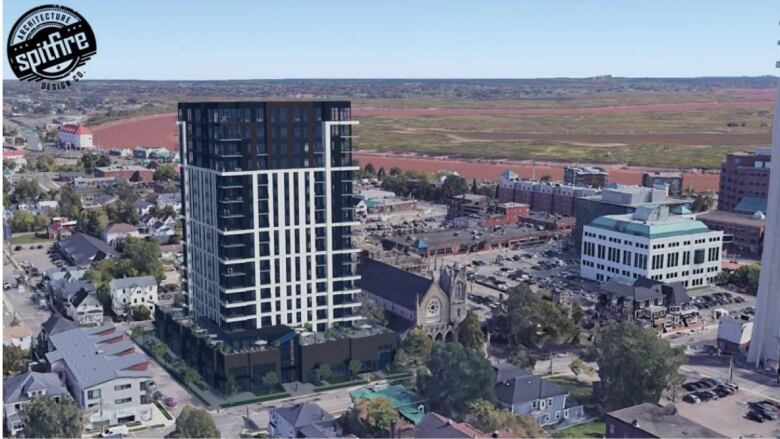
column 652, row 243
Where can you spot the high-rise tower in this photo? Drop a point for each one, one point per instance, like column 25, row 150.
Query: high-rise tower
column 765, row 341
column 268, row 212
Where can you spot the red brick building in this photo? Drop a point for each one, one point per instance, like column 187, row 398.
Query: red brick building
column 744, row 175
column 551, row 197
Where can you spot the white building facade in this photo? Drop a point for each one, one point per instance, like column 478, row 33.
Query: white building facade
column 75, row 136
column 129, row 292
column 104, row 373
column 653, row 244
column 765, row 342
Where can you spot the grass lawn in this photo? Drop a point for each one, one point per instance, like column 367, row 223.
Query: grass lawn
column 581, row 392
column 593, row 429
column 27, row 238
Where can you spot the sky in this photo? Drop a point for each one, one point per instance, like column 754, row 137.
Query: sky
column 236, row 39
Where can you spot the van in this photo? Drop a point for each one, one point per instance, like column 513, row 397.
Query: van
column 115, row 431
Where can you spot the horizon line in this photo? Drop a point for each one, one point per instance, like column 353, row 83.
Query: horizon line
column 606, row 76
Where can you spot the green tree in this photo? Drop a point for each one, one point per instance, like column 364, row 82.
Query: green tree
column 324, row 372
column 14, row 359
column 576, row 313
column 354, row 367
column 141, row 312
column 370, row 310
column 90, row 161
column 93, row 221
column 372, row 418
column 122, row 212
column 395, row 171
column 158, row 348
column 45, row 163
column 703, row 202
column 195, row 423
column 453, row 185
column 165, row 173
column 22, row 221
column 522, row 357
column 546, row 178
column 125, row 191
column 44, row 417
column 25, row 191
column 456, row 376
column 487, row 417
column 527, row 320
column 369, row 170
column 470, row 332
column 145, row 257
column 418, row 345
column 474, row 186
column 231, row 388
column 747, row 277
column 635, row 366
column 401, row 359
column 271, row 380
column 381, row 173
column 70, row 202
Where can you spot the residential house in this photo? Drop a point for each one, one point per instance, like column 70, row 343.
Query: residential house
column 129, row 292
column 434, row 425
column 79, row 301
column 302, row 420
column 116, row 233
column 170, row 251
column 524, row 393
column 83, row 250
column 651, row 421
column 21, row 389
column 102, row 200
column 61, row 227
column 143, row 207
column 104, row 373
column 650, row 300
column 159, row 229
column 173, row 200
column 19, row 335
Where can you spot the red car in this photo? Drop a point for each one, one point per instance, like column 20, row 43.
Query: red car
column 170, row 402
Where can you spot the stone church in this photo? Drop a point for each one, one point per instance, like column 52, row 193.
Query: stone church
column 436, row 304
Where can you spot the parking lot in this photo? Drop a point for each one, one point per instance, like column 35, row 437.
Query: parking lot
column 728, row 415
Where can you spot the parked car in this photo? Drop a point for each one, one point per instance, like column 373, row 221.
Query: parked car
column 115, row 431
column 157, row 395
column 754, row 416
column 6, row 285
column 170, row 402
column 691, row 399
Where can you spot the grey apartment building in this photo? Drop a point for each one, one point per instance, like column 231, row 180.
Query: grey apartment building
column 268, row 213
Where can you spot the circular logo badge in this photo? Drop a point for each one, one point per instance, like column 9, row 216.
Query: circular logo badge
column 50, row 44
